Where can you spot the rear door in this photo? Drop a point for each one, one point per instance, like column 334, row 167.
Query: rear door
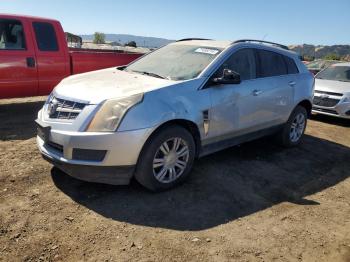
column 275, row 88
column 18, row 71
column 52, row 54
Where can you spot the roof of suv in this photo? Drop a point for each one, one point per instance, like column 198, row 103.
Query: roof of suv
column 225, row 44
column 205, row 42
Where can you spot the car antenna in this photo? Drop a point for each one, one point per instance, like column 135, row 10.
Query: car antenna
column 265, row 35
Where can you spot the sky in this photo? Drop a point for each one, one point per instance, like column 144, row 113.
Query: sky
column 324, row 22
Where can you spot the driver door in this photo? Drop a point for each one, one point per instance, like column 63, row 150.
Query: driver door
column 235, row 107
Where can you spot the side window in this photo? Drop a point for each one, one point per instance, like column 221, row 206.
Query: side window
column 45, row 36
column 271, row 64
column 242, row 62
column 291, row 66
column 11, row 35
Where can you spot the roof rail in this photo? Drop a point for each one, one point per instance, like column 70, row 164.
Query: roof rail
column 261, row 41
column 190, row 39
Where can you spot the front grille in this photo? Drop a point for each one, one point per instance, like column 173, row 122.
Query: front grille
column 330, row 111
column 325, row 101
column 64, row 109
column 328, row 93
column 55, row 146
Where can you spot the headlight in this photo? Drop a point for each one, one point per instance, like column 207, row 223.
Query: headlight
column 49, row 98
column 346, row 99
column 109, row 116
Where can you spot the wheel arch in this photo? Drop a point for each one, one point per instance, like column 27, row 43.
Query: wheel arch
column 187, row 124
column 307, row 105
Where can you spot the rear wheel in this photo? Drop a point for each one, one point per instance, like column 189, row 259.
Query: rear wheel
column 293, row 130
column 166, row 159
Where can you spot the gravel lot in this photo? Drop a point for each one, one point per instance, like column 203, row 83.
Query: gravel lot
column 255, row 202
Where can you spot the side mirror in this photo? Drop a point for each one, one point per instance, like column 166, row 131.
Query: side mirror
column 228, row 77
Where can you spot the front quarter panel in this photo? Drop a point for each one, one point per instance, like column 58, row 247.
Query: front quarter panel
column 181, row 100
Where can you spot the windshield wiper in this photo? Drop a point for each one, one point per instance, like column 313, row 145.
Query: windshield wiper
column 121, row 68
column 149, row 74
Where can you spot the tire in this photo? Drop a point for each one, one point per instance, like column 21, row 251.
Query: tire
column 158, row 156
column 297, row 122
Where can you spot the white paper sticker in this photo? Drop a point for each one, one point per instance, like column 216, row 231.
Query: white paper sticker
column 207, row 51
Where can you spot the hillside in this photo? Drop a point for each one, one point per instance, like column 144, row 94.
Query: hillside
column 144, row 41
column 318, row 51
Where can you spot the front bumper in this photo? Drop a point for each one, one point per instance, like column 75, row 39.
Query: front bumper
column 116, row 167
column 113, row 175
column 341, row 110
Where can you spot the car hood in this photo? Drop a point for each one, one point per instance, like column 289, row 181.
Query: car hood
column 332, row 86
column 97, row 86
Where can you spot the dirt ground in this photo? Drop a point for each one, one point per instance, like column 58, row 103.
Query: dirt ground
column 255, row 202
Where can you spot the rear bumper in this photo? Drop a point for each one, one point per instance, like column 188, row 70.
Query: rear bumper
column 114, row 175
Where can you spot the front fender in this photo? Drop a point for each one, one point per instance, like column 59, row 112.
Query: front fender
column 180, row 101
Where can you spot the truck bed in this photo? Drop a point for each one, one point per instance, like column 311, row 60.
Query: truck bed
column 84, row 60
column 35, row 57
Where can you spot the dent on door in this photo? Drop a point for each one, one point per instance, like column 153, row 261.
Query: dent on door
column 236, row 109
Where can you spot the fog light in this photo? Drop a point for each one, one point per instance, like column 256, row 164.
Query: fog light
column 347, row 113
column 88, row 154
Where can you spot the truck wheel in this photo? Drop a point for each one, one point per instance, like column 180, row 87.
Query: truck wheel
column 166, row 159
column 293, row 131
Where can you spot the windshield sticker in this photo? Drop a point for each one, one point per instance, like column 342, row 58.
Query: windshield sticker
column 207, row 51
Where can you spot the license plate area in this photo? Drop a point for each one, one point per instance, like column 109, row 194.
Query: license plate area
column 43, row 131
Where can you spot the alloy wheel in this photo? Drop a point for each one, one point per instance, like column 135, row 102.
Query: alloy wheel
column 297, row 127
column 171, row 160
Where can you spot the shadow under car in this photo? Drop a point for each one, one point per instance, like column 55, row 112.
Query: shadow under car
column 222, row 187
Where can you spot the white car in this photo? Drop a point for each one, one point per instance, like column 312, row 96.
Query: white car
column 332, row 91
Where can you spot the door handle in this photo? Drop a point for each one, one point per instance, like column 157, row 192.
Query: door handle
column 292, row 83
column 257, row 92
column 30, row 62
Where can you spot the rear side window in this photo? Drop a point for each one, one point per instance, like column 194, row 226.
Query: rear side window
column 271, row 64
column 291, row 66
column 11, row 35
column 45, row 36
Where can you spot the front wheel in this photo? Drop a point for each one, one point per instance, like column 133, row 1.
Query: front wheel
column 166, row 159
column 293, row 130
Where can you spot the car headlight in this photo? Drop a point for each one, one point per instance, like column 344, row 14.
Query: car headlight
column 346, row 99
column 49, row 98
column 110, row 114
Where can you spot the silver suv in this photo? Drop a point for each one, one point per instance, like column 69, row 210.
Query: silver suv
column 152, row 118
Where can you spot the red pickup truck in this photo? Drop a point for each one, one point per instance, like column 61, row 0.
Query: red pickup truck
column 34, row 56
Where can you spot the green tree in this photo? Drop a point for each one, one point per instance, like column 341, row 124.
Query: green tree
column 308, row 58
column 131, row 43
column 99, row 38
column 331, row 56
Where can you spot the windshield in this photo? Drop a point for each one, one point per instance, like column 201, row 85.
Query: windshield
column 175, row 62
column 338, row 73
